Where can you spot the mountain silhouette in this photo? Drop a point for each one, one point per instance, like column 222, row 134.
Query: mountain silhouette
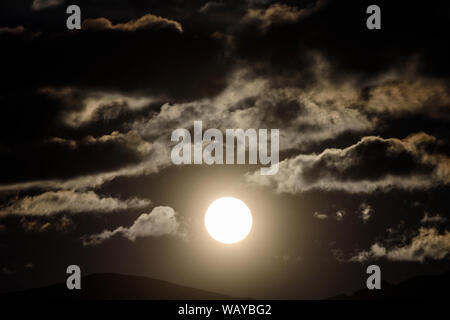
column 110, row 286
column 419, row 287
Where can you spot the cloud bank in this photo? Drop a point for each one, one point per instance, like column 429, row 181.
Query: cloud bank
column 372, row 164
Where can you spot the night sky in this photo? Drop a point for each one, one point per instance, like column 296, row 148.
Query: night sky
column 86, row 118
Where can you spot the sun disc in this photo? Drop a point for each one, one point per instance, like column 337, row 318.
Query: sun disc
column 228, row 220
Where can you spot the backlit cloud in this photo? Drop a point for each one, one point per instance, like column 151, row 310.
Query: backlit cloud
column 428, row 243
column 278, row 13
column 371, row 164
column 159, row 222
column 54, row 202
column 149, row 21
column 44, row 4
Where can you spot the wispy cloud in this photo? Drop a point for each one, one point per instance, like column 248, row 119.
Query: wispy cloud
column 54, row 202
column 430, row 219
column 38, row 225
column 44, row 4
column 320, row 216
column 278, row 13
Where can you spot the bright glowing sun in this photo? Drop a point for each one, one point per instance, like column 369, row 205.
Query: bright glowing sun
column 228, row 220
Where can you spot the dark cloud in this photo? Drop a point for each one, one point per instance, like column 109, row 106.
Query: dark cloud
column 366, row 211
column 61, row 133
column 371, row 164
column 337, row 31
column 59, row 158
column 153, row 56
column 14, row 269
column 15, row 30
column 36, row 225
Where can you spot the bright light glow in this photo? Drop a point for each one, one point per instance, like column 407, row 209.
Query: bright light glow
column 228, row 220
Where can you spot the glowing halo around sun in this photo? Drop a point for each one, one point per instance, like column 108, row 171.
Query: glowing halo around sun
column 228, row 220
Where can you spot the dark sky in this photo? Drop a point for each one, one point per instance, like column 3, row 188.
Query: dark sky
column 86, row 119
